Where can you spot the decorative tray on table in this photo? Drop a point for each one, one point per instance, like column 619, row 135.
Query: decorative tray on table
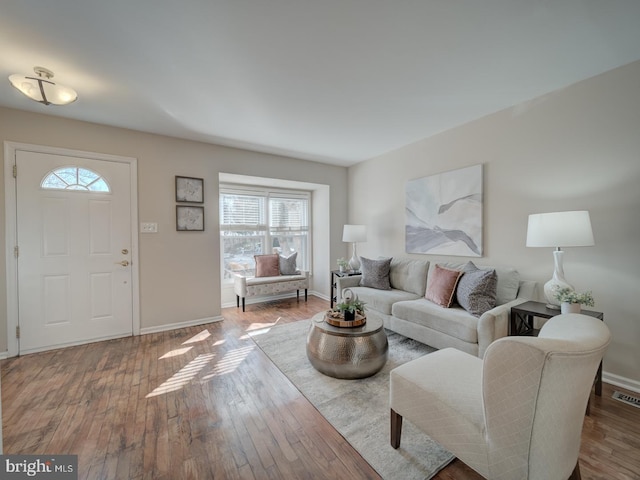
column 336, row 319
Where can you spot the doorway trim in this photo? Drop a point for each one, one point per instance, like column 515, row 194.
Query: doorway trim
column 11, row 228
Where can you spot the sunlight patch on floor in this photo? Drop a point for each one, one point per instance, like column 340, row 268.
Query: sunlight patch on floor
column 259, row 329
column 184, row 375
column 198, row 337
column 230, row 361
column 176, row 352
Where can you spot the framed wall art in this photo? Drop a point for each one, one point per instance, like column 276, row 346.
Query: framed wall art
column 189, row 190
column 189, row 218
column 444, row 213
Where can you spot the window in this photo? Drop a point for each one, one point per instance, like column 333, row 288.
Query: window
column 75, row 178
column 256, row 221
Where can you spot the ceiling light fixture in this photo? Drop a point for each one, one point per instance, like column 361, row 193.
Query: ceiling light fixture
column 41, row 89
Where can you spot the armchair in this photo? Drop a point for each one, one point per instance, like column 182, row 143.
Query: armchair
column 517, row 413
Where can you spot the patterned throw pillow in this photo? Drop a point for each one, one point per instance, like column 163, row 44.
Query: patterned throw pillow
column 288, row 264
column 267, row 265
column 476, row 291
column 375, row 273
column 441, row 286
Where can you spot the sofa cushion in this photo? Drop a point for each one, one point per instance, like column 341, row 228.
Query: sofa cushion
column 267, row 265
column 508, row 280
column 454, row 321
column 375, row 273
column 441, row 287
column 381, row 300
column 288, row 264
column 508, row 284
column 409, row 275
column 476, row 291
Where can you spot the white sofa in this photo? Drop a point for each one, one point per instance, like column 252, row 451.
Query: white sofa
column 254, row 286
column 404, row 309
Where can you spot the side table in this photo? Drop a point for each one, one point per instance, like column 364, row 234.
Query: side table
column 338, row 273
column 521, row 322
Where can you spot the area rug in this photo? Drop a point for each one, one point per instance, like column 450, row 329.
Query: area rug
column 358, row 409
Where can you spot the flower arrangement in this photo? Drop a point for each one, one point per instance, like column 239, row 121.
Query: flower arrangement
column 342, row 263
column 568, row 295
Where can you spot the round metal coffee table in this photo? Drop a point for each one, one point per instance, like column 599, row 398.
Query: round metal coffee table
column 344, row 352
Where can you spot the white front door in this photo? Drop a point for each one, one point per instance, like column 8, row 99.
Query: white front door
column 75, row 243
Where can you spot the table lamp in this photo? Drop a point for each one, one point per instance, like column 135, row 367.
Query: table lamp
column 559, row 229
column 354, row 234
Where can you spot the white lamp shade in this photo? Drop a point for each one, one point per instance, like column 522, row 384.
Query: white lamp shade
column 560, row 229
column 354, row 233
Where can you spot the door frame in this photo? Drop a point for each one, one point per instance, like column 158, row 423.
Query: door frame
column 11, row 230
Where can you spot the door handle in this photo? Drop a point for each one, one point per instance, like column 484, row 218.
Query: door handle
column 124, row 263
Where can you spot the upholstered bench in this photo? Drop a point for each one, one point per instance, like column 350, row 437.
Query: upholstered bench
column 253, row 286
column 274, row 274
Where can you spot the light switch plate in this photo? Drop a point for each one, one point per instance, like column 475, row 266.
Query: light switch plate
column 147, row 227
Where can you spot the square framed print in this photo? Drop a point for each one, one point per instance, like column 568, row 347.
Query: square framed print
column 444, row 213
column 189, row 189
column 189, row 218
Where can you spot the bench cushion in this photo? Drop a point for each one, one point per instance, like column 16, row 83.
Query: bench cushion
column 252, row 281
column 250, row 286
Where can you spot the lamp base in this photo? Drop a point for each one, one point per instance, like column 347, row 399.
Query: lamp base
column 354, row 262
column 557, row 282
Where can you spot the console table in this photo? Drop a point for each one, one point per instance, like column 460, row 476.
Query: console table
column 521, row 322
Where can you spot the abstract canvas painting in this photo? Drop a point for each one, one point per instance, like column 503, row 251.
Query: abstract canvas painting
column 444, row 213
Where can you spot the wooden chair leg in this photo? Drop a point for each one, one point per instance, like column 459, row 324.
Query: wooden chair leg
column 243, row 304
column 237, row 301
column 305, row 294
column 298, row 295
column 396, row 429
column 575, row 475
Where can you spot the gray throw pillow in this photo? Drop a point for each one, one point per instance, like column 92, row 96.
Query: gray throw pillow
column 476, row 291
column 375, row 273
column 288, row 264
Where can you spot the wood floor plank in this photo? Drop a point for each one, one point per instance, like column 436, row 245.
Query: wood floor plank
column 205, row 402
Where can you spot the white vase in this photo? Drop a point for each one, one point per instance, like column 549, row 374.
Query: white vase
column 566, row 307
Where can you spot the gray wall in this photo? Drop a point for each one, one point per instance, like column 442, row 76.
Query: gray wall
column 179, row 272
column 575, row 149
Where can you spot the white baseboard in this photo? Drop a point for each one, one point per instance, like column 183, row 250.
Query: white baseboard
column 621, row 382
column 173, row 326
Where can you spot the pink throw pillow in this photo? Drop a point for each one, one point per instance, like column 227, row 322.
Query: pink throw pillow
column 442, row 286
column 267, row 265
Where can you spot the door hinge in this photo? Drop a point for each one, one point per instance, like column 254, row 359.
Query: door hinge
column 15, row 171
column 18, row 331
column 16, row 251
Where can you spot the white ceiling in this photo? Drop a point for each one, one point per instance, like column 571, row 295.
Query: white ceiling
column 335, row 81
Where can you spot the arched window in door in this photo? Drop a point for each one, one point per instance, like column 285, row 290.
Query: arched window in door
column 75, row 178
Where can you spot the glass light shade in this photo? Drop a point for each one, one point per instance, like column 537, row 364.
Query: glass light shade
column 560, row 229
column 43, row 90
column 354, row 233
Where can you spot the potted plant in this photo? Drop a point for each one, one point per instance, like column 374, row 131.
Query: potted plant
column 350, row 308
column 342, row 264
column 571, row 301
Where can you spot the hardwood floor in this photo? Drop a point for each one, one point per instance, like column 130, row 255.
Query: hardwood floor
column 204, row 402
